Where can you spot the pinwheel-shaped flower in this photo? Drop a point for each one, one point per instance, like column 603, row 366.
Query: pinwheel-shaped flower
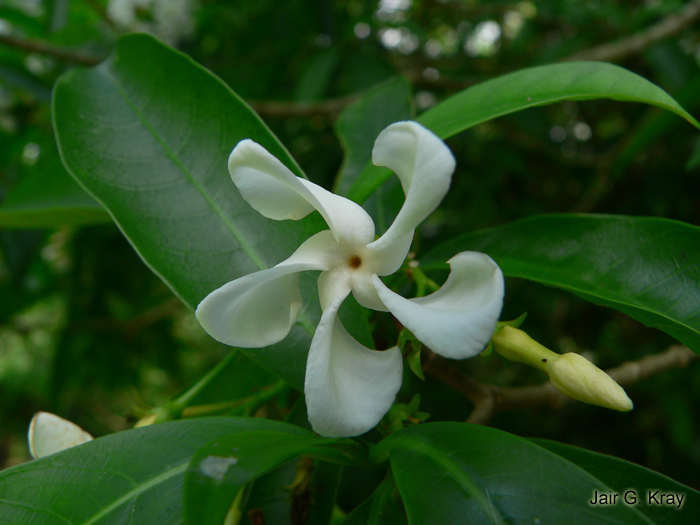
column 349, row 387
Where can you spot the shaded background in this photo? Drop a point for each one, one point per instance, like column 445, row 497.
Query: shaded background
column 87, row 331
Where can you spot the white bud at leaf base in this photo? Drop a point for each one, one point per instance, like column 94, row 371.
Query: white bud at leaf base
column 49, row 434
column 571, row 374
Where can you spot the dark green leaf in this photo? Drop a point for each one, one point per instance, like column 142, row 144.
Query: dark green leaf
column 446, row 471
column 526, row 88
column 323, row 491
column 645, row 267
column 148, row 134
column 130, row 477
column 379, row 509
column 623, row 476
column 49, row 198
column 220, row 469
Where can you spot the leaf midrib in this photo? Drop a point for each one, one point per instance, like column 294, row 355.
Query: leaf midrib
column 245, row 246
column 139, row 490
column 444, row 462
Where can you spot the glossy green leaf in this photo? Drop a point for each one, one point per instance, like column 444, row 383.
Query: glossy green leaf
column 636, row 483
column 644, row 267
column 446, row 471
column 270, row 496
column 49, row 198
column 527, row 88
column 132, row 477
column 221, row 468
column 148, row 134
column 379, row 509
column 322, row 493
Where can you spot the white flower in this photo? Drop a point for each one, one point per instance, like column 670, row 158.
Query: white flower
column 349, row 387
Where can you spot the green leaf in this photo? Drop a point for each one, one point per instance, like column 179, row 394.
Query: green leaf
column 220, row 469
column 446, row 471
column 378, row 509
column 622, row 476
column 644, row 267
column 148, row 134
column 694, row 159
column 537, row 86
column 49, row 198
column 133, row 476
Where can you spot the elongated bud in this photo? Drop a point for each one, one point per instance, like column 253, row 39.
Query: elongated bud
column 572, row 374
column 49, row 434
column 577, row 377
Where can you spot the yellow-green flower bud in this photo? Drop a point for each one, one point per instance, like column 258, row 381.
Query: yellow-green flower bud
column 572, row 374
column 577, row 377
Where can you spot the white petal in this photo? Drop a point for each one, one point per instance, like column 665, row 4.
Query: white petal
column 260, row 177
column 260, row 308
column 49, row 434
column 275, row 192
column 365, row 292
column 458, row 320
column 348, row 387
column 424, row 164
column 341, row 279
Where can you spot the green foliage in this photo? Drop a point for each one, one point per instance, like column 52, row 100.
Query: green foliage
column 644, row 267
column 445, row 471
column 142, row 469
column 91, row 332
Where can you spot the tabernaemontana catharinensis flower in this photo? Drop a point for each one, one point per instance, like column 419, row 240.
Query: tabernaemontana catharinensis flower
column 572, row 374
column 49, row 434
column 349, row 387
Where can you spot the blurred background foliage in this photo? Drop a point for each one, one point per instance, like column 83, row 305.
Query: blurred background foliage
column 89, row 332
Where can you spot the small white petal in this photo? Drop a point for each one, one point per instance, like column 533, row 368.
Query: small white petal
column 260, row 308
column 49, row 434
column 333, row 285
column 275, row 192
column 348, row 387
column 458, row 320
column 261, row 179
column 424, row 164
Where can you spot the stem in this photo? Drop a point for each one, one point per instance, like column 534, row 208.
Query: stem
column 422, row 282
column 244, row 405
column 185, row 398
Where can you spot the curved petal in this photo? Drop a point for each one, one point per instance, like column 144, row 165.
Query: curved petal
column 49, row 434
column 275, row 192
column 458, row 320
column 260, row 177
column 348, row 387
column 260, row 308
column 365, row 292
column 424, row 164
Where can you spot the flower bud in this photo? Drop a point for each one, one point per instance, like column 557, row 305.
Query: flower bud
column 571, row 374
column 49, row 434
column 575, row 376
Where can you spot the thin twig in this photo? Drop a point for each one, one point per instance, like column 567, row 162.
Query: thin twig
column 624, row 47
column 61, row 53
column 490, row 399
